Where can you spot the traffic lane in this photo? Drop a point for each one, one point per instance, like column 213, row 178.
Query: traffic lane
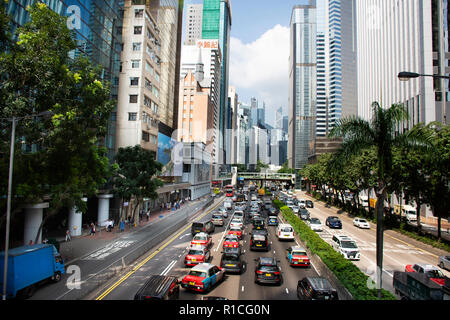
column 226, row 288
column 290, row 275
column 165, row 260
column 396, row 254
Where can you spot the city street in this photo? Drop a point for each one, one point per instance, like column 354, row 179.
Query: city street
column 398, row 250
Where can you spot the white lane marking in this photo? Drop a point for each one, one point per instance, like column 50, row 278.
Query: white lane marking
column 287, row 290
column 168, row 268
column 242, row 289
column 184, row 235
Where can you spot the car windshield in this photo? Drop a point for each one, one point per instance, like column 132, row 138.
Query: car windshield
column 197, row 237
column 196, row 273
column 236, row 221
column 235, row 229
column 230, row 239
column 195, row 252
column 362, row 220
column 315, row 221
column 299, row 253
column 286, row 229
column 334, row 219
column 217, row 217
column 349, row 244
column 435, row 274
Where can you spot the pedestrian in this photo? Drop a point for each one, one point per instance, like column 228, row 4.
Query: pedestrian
column 160, row 207
column 148, row 214
column 122, row 225
column 92, row 229
column 68, row 238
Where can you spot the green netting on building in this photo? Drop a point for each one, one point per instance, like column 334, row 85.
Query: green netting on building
column 211, row 19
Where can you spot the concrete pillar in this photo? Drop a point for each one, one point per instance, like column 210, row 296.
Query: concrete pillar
column 103, row 209
column 33, row 220
column 75, row 221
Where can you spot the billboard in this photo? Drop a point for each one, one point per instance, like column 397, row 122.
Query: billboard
column 166, row 146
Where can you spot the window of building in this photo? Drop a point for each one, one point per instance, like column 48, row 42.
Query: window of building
column 135, row 64
column 133, row 98
column 148, row 84
column 136, row 46
column 147, row 101
column 138, row 13
column 145, row 136
column 137, row 29
column 132, row 116
column 134, row 81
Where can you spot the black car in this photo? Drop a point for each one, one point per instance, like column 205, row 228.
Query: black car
column 263, row 232
column 303, row 214
column 316, row 288
column 259, row 242
column 334, row 222
column 231, row 260
column 206, row 226
column 159, row 287
column 259, row 223
column 309, row 204
column 267, row 271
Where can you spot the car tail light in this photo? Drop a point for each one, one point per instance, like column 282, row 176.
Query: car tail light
column 277, row 272
column 259, row 272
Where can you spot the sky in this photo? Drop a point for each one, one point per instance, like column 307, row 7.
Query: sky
column 259, row 51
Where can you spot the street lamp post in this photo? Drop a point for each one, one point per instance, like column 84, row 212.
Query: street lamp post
column 406, row 76
column 8, row 203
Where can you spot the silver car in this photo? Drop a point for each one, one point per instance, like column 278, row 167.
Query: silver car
column 217, row 219
column 444, row 262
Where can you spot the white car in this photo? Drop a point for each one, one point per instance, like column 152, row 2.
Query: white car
column 285, row 232
column 346, row 246
column 295, row 209
column 361, row 223
column 315, row 224
column 302, row 203
column 236, row 222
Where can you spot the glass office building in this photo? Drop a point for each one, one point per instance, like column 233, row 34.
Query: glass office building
column 98, row 30
column 302, row 85
column 217, row 25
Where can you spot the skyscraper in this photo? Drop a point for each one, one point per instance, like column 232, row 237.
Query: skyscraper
column 302, row 79
column 216, row 24
column 395, row 36
column 194, row 20
column 336, row 63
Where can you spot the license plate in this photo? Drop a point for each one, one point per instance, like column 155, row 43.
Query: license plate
column 230, row 265
column 193, row 260
column 192, row 283
column 300, row 260
column 259, row 245
column 268, row 274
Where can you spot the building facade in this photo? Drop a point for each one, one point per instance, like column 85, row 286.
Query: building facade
column 302, row 84
column 194, row 21
column 216, row 24
column 404, row 35
column 138, row 111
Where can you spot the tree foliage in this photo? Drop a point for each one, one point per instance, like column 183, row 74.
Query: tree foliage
column 135, row 175
column 57, row 155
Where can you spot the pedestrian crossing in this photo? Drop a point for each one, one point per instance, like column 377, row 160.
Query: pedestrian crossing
column 108, row 250
column 365, row 246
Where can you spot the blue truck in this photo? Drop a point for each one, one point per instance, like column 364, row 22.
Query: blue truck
column 29, row 266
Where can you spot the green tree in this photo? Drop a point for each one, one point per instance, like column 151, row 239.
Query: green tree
column 57, row 157
column 381, row 133
column 135, row 176
column 436, row 170
column 285, row 168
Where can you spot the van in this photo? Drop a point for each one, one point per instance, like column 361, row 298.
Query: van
column 346, row 246
column 159, row 287
column 206, row 226
column 407, row 211
column 364, row 201
column 285, row 232
column 316, row 288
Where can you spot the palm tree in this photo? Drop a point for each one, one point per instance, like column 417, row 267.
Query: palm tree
column 380, row 132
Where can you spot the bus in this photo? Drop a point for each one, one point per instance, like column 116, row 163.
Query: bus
column 229, row 190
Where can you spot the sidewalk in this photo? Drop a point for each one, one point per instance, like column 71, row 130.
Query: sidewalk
column 82, row 245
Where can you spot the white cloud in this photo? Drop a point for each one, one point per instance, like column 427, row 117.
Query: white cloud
column 260, row 68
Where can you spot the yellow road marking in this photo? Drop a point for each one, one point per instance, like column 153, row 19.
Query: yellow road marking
column 137, row 267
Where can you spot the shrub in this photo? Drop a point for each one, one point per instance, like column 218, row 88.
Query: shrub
column 348, row 274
